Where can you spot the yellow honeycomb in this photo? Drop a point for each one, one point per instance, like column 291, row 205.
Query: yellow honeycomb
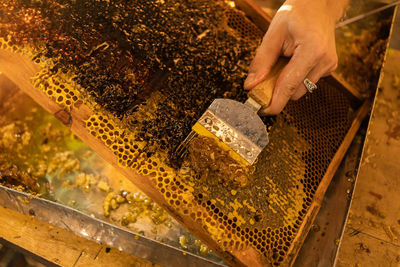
column 177, row 192
column 287, row 174
column 58, row 86
column 232, row 230
column 7, row 45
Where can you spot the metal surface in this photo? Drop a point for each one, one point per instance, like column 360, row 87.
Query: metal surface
column 287, row 179
column 238, row 126
column 253, row 104
column 371, row 235
column 364, row 15
column 98, row 230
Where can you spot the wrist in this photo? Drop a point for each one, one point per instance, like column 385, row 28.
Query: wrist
column 337, row 8
column 334, row 9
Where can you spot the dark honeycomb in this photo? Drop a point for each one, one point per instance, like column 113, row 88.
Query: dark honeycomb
column 148, row 70
column 121, row 52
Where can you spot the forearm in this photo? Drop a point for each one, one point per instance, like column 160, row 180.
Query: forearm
column 332, row 9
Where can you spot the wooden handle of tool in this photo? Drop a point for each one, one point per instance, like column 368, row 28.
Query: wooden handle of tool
column 262, row 93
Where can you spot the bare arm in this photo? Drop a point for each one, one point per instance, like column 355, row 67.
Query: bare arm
column 304, row 31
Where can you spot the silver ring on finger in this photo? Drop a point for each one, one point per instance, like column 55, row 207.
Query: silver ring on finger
column 310, row 86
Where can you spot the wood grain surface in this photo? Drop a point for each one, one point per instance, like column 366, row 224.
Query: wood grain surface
column 20, row 70
column 60, row 246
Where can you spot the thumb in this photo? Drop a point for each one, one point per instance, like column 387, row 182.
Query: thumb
column 266, row 56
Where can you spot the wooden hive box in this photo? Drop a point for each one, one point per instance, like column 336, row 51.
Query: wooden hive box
column 262, row 223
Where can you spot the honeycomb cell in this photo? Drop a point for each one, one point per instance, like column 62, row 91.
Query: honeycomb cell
column 57, row 85
column 265, row 216
column 242, row 26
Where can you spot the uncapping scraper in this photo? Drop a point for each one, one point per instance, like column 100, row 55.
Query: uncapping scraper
column 236, row 125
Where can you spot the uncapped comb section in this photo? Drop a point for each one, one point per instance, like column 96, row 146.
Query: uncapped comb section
column 148, row 70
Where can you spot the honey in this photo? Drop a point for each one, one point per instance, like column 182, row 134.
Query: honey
column 148, row 70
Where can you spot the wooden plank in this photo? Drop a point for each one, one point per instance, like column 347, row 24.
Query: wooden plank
column 14, row 65
column 58, row 245
column 376, row 195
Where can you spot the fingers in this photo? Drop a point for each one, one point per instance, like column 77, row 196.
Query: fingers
column 304, row 64
column 301, row 63
column 314, row 76
column 265, row 58
column 323, row 69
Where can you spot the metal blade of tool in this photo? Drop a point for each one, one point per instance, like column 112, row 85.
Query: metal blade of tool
column 237, row 125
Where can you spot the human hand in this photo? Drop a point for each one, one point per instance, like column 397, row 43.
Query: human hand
column 304, row 31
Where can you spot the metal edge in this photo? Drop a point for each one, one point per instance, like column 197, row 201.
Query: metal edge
column 237, row 140
column 381, row 76
column 99, row 231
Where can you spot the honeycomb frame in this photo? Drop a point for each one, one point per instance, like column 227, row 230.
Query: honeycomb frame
column 232, row 233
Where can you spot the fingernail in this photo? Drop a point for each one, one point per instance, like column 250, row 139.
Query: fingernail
column 249, row 80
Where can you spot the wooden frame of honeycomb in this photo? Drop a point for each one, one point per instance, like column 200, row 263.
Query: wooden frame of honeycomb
column 231, row 225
